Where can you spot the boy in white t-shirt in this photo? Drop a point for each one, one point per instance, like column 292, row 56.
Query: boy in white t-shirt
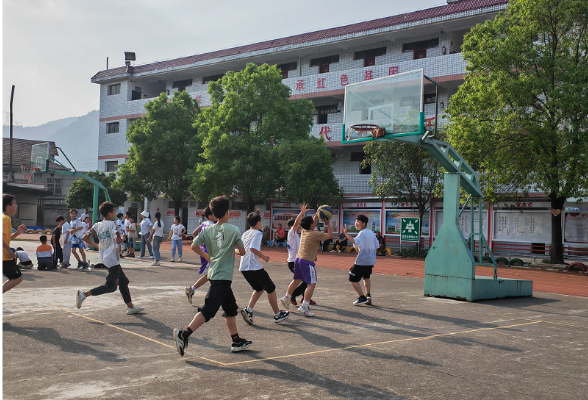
column 254, row 273
column 75, row 239
column 108, row 240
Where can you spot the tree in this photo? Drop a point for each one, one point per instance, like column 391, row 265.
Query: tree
column 403, row 171
column 521, row 115
column 249, row 118
column 307, row 170
column 81, row 192
column 161, row 152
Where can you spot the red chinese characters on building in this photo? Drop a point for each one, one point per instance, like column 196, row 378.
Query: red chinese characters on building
column 344, row 80
column 392, row 70
column 320, row 83
column 299, row 85
column 369, row 74
column 325, row 130
column 519, row 205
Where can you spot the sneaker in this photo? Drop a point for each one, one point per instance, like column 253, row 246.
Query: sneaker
column 369, row 299
column 151, row 257
column 134, row 310
column 140, row 256
column 333, row 251
column 305, row 311
column 241, row 345
column 154, row 263
column 293, row 301
column 282, row 315
column 189, row 294
column 285, row 302
column 80, row 297
column 339, row 251
column 247, row 316
column 84, row 267
column 311, row 302
column 181, row 343
column 121, row 256
column 361, row 300
column 172, row 260
column 180, row 259
column 80, row 265
column 131, row 256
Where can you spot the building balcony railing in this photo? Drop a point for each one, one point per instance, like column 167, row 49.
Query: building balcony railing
column 354, row 183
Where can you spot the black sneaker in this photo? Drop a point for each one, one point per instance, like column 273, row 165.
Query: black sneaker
column 247, row 316
column 369, row 298
column 282, row 315
column 181, row 343
column 80, row 265
column 84, row 266
column 361, row 300
column 241, row 345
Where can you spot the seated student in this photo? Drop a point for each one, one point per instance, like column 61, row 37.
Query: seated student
column 24, row 260
column 381, row 250
column 44, row 255
column 339, row 243
column 280, row 236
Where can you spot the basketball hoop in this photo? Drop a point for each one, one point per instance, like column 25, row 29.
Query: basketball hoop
column 28, row 172
column 365, row 130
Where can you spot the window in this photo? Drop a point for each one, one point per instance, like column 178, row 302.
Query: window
column 359, row 157
column 112, row 127
column 181, row 85
column 365, row 171
column 111, row 166
column 369, row 56
column 322, row 119
column 429, row 98
column 287, row 67
column 212, row 78
column 114, row 89
column 322, row 112
column 323, row 63
column 420, row 48
column 54, row 184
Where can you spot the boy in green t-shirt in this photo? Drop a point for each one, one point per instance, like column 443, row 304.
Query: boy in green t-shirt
column 221, row 240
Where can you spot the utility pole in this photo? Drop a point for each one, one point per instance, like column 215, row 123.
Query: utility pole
column 11, row 174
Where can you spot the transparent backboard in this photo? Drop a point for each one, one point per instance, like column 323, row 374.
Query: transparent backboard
column 40, row 156
column 394, row 103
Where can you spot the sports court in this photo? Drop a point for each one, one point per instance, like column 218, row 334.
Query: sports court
column 405, row 346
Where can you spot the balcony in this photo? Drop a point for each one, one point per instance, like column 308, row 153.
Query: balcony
column 354, row 183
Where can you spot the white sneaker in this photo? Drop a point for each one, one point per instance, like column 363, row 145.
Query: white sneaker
column 285, row 302
column 151, row 257
column 140, row 256
column 134, row 310
column 180, row 259
column 80, row 297
column 305, row 311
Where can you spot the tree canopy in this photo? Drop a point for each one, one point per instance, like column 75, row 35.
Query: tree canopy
column 81, row 193
column 163, row 142
column 521, row 115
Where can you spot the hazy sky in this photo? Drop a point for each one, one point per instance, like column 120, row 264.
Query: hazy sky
column 53, row 47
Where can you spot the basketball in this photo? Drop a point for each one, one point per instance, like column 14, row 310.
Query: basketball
column 325, row 212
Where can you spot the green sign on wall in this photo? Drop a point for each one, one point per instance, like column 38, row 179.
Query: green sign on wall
column 410, row 229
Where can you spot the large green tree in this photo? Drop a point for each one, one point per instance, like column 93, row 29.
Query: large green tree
column 403, row 172
column 307, row 171
column 521, row 117
column 163, row 142
column 249, row 118
column 81, row 193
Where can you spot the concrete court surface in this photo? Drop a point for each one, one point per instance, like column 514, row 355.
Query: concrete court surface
column 404, row 346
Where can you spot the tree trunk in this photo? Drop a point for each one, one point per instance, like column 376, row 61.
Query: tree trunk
column 556, row 230
column 177, row 204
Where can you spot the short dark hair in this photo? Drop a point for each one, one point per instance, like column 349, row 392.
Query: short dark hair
column 119, row 215
column 73, row 210
column 59, row 218
column 219, row 206
column 362, row 218
column 128, row 213
column 178, row 218
column 306, row 222
column 7, row 200
column 43, row 239
column 291, row 222
column 19, row 249
column 106, row 208
column 253, row 218
column 207, row 212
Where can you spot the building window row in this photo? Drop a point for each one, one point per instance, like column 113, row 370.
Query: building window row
column 324, row 62
column 112, row 127
column 419, row 49
column 110, row 166
column 54, row 185
column 114, row 89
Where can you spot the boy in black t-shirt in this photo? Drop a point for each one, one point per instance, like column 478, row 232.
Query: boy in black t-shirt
column 55, row 237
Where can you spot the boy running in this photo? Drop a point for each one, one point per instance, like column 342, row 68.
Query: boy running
column 367, row 243
column 221, row 240
column 108, row 240
column 209, row 220
column 304, row 265
column 9, row 268
column 254, row 273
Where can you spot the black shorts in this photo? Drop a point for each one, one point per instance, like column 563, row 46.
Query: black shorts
column 360, row 271
column 10, row 270
column 259, row 280
column 291, row 266
column 219, row 295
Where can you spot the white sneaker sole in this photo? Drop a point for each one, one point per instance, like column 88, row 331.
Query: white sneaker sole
column 285, row 302
column 189, row 294
column 238, row 349
column 79, row 299
column 246, row 317
column 177, row 340
column 134, row 310
column 277, row 321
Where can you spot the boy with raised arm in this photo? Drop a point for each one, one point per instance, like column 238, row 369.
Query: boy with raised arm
column 109, row 238
column 221, row 240
column 254, row 273
column 367, row 243
column 304, row 264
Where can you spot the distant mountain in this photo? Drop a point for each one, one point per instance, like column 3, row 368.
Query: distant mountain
column 76, row 136
column 79, row 141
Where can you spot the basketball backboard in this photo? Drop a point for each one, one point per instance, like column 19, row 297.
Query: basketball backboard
column 40, row 156
column 393, row 103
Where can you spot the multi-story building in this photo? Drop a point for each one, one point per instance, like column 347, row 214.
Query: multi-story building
column 316, row 66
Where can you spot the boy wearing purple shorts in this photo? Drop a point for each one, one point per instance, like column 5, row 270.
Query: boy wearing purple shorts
column 304, row 264
column 210, row 219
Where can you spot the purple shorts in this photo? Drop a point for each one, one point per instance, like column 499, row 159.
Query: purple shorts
column 203, row 263
column 304, row 270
